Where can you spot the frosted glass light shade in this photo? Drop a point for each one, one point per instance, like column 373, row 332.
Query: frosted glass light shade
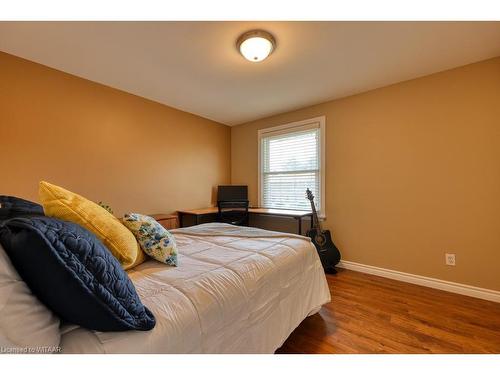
column 256, row 45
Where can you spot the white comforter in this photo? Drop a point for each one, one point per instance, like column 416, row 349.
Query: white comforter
column 236, row 290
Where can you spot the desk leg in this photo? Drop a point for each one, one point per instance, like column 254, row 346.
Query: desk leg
column 300, row 225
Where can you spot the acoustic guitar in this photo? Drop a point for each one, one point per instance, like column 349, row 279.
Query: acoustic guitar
column 328, row 252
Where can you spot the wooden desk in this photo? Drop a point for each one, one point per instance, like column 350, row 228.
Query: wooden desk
column 295, row 214
column 167, row 221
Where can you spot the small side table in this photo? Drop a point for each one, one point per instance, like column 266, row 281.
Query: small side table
column 167, row 221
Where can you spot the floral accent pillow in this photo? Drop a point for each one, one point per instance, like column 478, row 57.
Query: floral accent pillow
column 154, row 239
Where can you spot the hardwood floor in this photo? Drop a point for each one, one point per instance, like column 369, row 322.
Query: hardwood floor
column 371, row 314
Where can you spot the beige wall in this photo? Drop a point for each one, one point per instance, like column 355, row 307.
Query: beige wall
column 413, row 171
column 132, row 153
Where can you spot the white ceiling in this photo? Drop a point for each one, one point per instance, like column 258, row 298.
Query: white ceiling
column 195, row 67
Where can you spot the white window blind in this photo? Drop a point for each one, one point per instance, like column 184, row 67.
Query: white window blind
column 291, row 163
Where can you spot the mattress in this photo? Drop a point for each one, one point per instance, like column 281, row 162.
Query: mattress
column 236, row 290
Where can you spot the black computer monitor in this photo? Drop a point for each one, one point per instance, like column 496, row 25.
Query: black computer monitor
column 229, row 193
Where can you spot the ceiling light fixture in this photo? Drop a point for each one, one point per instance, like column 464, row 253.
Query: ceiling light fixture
column 256, row 45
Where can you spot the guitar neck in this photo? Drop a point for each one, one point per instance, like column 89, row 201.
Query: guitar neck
column 316, row 223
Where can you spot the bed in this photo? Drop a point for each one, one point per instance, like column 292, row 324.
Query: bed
column 236, row 290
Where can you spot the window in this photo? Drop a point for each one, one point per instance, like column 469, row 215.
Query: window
column 291, row 159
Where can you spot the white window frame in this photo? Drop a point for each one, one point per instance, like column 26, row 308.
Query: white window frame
column 291, row 128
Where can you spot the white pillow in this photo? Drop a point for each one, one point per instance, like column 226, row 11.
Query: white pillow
column 26, row 325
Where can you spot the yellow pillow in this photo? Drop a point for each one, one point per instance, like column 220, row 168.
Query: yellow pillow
column 65, row 205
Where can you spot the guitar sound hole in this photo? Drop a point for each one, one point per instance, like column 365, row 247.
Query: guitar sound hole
column 320, row 240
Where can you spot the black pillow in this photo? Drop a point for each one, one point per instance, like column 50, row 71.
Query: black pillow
column 74, row 274
column 14, row 207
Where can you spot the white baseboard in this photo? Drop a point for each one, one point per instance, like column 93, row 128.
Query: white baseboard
column 468, row 290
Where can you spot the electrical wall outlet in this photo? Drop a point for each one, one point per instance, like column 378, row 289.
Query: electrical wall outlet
column 450, row 259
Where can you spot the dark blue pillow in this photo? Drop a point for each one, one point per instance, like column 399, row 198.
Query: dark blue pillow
column 74, row 274
column 14, row 207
